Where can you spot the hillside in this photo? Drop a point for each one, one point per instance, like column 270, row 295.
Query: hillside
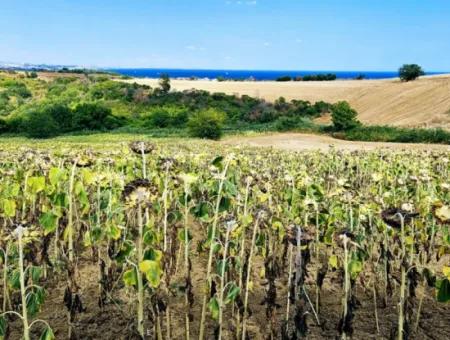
column 422, row 103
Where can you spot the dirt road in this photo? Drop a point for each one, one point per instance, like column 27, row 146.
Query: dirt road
column 300, row 141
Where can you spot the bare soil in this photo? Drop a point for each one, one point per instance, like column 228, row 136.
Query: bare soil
column 302, row 141
column 117, row 320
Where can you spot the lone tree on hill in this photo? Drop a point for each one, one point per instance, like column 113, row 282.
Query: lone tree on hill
column 344, row 117
column 410, row 72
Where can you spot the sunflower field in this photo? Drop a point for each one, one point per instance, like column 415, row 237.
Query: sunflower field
column 198, row 240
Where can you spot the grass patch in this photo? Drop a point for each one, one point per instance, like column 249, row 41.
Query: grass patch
column 395, row 134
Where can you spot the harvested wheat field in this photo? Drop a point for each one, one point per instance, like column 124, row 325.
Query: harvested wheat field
column 421, row 103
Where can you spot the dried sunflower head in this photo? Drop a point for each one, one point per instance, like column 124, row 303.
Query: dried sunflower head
column 139, row 147
column 295, row 232
column 442, row 213
column 393, row 217
column 139, row 192
column 84, row 160
column 167, row 163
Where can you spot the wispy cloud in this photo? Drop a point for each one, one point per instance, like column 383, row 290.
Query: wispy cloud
column 267, row 44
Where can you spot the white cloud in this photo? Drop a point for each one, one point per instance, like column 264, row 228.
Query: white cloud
column 267, row 44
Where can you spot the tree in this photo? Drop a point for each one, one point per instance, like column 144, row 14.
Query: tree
column 343, row 116
column 206, row 124
column 164, row 83
column 410, row 72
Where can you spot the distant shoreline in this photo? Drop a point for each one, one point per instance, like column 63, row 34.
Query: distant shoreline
column 250, row 75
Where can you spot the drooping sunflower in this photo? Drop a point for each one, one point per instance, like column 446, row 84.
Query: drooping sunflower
column 442, row 213
column 139, row 192
column 140, row 147
column 392, row 217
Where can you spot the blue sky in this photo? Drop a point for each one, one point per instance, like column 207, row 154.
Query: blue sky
column 220, row 34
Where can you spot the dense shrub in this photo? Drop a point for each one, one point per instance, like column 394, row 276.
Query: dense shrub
column 62, row 115
column 320, row 77
column 343, row 116
column 322, row 107
column 167, row 116
column 15, row 88
column 114, row 90
column 286, row 123
column 398, row 135
column 93, row 116
column 3, row 126
column 40, row 124
column 206, row 124
column 284, row 78
column 410, row 72
column 295, row 123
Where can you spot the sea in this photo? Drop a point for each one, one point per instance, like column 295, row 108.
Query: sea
column 249, row 74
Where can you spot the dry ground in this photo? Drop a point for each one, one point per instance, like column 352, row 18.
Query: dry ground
column 301, row 141
column 421, row 103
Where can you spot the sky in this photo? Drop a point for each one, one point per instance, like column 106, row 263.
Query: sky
column 338, row 35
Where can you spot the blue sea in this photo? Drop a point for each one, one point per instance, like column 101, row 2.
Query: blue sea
column 248, row 74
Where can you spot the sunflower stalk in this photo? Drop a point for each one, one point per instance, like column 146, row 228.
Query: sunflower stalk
column 248, row 278
column 211, row 250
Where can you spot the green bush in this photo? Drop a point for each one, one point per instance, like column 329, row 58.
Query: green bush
column 61, row 114
column 410, row 72
column 320, row 77
column 93, row 116
column 290, row 123
column 344, row 117
column 206, row 124
column 395, row 134
column 167, row 116
column 15, row 88
column 286, row 123
column 284, row 78
column 3, row 126
column 40, row 124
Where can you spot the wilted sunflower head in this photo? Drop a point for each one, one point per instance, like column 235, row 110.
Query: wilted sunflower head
column 230, row 222
column 140, row 147
column 263, row 214
column 167, row 163
column 25, row 232
column 295, row 232
column 441, row 213
column 139, row 192
column 393, row 217
column 84, row 160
